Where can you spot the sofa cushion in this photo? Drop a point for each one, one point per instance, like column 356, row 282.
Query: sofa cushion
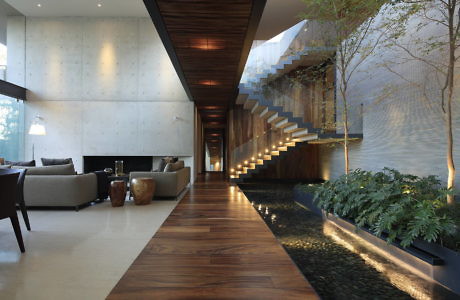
column 30, row 163
column 5, row 167
column 56, row 161
column 50, row 170
column 172, row 167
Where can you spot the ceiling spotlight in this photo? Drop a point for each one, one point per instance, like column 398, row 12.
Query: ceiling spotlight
column 99, row 5
column 39, row 5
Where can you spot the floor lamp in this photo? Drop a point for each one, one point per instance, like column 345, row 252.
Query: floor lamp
column 37, row 128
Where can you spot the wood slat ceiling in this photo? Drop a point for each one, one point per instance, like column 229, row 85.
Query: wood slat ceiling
column 208, row 42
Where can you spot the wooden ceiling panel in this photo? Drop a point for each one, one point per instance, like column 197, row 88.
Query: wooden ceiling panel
column 208, row 42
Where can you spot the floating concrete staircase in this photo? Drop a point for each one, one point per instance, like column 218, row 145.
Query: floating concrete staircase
column 251, row 97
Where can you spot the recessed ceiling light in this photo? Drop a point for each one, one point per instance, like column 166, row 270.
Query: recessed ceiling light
column 99, row 5
column 39, row 5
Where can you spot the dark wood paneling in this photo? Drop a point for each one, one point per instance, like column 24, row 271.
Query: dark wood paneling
column 214, row 245
column 11, row 90
column 302, row 163
column 208, row 42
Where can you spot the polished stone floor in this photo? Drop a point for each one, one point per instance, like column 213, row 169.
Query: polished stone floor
column 76, row 255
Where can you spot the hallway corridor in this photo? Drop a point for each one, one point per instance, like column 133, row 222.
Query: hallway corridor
column 214, row 245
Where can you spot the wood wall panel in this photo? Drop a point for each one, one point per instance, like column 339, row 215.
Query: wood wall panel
column 313, row 100
column 301, row 163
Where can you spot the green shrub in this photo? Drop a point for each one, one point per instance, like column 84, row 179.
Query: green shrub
column 403, row 206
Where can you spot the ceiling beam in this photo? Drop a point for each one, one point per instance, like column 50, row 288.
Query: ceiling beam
column 154, row 11
column 12, row 90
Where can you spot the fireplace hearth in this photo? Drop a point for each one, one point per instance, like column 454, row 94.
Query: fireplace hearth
column 130, row 163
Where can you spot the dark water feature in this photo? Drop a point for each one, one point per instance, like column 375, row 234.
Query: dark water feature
column 334, row 271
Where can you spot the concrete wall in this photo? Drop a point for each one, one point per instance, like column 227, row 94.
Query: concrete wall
column 104, row 86
column 3, row 22
column 403, row 123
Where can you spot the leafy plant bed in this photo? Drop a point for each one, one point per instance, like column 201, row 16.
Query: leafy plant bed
column 435, row 261
column 404, row 206
column 334, row 271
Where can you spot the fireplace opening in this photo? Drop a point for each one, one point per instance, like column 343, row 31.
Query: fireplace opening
column 130, row 163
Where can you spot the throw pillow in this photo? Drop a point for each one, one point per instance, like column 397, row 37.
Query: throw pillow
column 56, row 161
column 30, row 163
column 51, row 170
column 172, row 167
column 171, row 159
column 161, row 165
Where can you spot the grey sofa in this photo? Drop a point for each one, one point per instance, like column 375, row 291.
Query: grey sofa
column 168, row 184
column 58, row 186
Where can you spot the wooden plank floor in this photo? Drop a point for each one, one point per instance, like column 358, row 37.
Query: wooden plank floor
column 214, row 245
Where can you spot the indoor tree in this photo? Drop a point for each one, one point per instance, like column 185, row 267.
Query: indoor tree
column 352, row 31
column 427, row 32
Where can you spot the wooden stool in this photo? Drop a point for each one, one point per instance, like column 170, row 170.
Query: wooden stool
column 143, row 190
column 117, row 193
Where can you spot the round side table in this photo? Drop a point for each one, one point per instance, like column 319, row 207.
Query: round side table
column 117, row 192
column 143, row 190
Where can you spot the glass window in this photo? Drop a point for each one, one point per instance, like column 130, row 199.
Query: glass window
column 11, row 120
column 2, row 61
column 11, row 128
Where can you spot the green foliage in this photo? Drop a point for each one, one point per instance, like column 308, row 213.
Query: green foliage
column 403, row 206
column 451, row 241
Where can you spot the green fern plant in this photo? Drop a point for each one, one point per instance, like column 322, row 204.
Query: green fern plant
column 403, row 206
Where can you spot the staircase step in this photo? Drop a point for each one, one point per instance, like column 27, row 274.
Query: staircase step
column 284, row 123
column 241, row 98
column 249, row 104
column 275, row 118
column 300, row 133
column 257, row 109
column 310, row 137
column 291, row 128
column 267, row 113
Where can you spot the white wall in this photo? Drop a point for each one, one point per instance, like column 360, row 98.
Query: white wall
column 403, row 124
column 104, row 86
column 3, row 24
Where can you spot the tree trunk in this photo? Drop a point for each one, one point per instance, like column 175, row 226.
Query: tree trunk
column 450, row 146
column 345, row 128
column 450, row 95
column 449, row 133
column 345, row 142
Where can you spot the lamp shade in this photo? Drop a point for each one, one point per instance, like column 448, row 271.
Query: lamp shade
column 37, row 127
